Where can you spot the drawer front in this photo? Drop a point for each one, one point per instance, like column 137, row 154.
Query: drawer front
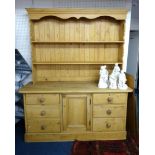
column 109, row 124
column 109, row 111
column 110, row 98
column 42, row 99
column 43, row 125
column 42, row 111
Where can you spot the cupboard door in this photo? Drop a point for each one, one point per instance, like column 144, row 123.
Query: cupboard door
column 76, row 113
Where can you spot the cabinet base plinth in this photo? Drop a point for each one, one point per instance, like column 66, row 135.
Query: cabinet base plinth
column 49, row 137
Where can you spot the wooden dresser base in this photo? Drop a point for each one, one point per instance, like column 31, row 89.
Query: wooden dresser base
column 74, row 111
column 48, row 137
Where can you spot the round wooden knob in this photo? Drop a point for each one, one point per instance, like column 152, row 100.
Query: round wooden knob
column 108, row 112
column 109, row 99
column 41, row 100
column 58, row 123
column 108, row 125
column 43, row 127
column 42, row 113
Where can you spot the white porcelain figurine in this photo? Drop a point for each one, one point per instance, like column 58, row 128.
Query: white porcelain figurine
column 113, row 81
column 103, row 81
column 113, row 78
column 122, row 81
column 116, row 70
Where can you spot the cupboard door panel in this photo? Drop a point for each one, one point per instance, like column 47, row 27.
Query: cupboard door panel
column 76, row 113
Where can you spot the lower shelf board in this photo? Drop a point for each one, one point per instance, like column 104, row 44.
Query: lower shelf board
column 49, row 137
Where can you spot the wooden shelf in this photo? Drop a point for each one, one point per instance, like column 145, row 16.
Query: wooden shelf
column 68, row 63
column 63, row 50
column 77, row 42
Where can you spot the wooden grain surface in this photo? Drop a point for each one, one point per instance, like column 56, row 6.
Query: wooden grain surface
column 68, row 48
column 42, row 99
column 44, row 125
column 48, row 137
column 79, row 37
column 109, row 124
column 68, row 87
column 65, row 13
column 42, row 111
column 110, row 98
column 110, row 111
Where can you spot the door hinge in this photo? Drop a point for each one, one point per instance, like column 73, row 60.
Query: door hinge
column 89, row 122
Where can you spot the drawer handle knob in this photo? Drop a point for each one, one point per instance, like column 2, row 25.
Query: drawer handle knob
column 43, row 113
column 43, row 127
column 41, row 100
column 58, row 123
column 108, row 125
column 109, row 99
column 108, row 112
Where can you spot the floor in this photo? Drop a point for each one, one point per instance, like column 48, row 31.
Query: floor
column 48, row 148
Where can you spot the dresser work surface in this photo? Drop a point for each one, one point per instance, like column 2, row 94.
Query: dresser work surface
column 67, row 87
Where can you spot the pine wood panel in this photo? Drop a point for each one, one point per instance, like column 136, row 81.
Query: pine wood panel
column 71, row 87
column 71, row 41
column 121, row 30
column 109, row 111
column 77, row 42
column 87, row 53
column 41, row 137
column 55, row 29
column 65, row 13
column 68, row 72
column 76, row 120
column 109, row 124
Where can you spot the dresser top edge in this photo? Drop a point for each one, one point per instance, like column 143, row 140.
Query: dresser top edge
column 68, row 87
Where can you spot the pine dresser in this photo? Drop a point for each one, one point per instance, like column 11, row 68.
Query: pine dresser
column 63, row 101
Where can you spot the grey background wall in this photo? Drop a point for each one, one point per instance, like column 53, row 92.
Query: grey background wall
column 73, row 3
column 132, row 63
column 22, row 38
column 133, row 48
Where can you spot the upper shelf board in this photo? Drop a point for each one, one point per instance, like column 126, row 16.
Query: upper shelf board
column 78, row 42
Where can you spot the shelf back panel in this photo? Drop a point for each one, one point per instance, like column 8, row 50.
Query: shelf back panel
column 76, row 53
column 56, row 29
column 74, row 48
column 69, row 72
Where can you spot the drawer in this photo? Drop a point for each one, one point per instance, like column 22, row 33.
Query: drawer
column 109, row 124
column 110, row 98
column 42, row 111
column 43, row 125
column 109, row 111
column 42, row 99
